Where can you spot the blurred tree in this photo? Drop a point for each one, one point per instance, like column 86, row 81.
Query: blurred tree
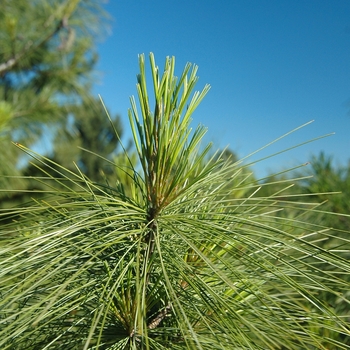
column 325, row 179
column 95, row 140
column 46, row 59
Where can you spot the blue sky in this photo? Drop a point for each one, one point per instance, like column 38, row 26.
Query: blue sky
column 272, row 66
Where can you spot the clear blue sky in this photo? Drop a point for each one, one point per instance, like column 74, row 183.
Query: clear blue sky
column 273, row 65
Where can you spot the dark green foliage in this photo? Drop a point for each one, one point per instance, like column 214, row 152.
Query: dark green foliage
column 89, row 141
column 47, row 52
column 47, row 56
column 327, row 178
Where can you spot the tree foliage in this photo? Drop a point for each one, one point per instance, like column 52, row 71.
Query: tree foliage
column 325, row 178
column 47, row 56
column 93, row 140
column 46, row 53
column 184, row 259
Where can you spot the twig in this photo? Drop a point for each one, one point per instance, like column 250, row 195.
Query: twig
column 160, row 317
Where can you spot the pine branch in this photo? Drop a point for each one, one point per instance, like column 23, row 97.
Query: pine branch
column 160, row 317
column 13, row 61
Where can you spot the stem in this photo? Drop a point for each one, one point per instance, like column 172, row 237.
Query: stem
column 152, row 225
column 160, row 317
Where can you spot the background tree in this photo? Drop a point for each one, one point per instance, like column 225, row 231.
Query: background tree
column 47, row 56
column 95, row 140
column 323, row 178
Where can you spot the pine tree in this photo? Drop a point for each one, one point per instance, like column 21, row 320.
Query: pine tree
column 93, row 139
column 47, row 56
column 176, row 262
